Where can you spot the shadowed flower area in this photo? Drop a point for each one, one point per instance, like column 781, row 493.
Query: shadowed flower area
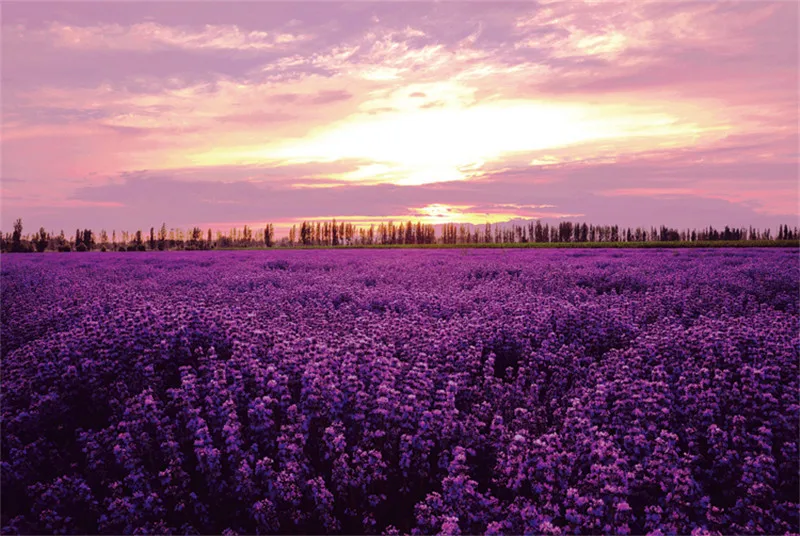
column 428, row 391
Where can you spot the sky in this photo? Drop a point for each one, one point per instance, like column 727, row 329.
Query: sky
column 123, row 115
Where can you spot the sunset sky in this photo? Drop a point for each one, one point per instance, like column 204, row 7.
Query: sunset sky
column 123, row 115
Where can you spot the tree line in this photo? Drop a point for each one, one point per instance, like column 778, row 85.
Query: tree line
column 333, row 233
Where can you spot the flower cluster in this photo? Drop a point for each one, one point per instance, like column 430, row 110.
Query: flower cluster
column 402, row 392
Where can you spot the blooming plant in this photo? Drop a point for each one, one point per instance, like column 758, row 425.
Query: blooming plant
column 401, row 392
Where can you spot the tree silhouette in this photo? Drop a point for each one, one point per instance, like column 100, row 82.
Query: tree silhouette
column 41, row 240
column 16, row 237
column 269, row 235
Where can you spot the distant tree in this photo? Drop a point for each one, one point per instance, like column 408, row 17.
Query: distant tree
column 269, row 235
column 162, row 237
column 62, row 244
column 195, row 238
column 334, row 230
column 335, row 233
column 41, row 240
column 565, row 231
column 462, row 234
column 16, row 237
column 726, row 233
column 88, row 239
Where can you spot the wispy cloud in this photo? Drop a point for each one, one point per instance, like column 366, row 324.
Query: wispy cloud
column 151, row 36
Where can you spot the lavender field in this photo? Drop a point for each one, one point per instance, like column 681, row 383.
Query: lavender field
column 401, row 391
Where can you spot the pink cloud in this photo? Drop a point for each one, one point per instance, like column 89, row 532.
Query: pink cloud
column 151, row 36
column 650, row 192
column 257, row 118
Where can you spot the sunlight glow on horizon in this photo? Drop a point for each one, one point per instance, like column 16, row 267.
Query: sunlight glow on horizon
column 417, row 147
column 434, row 214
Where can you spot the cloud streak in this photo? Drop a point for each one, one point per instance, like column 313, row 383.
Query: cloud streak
column 151, row 36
